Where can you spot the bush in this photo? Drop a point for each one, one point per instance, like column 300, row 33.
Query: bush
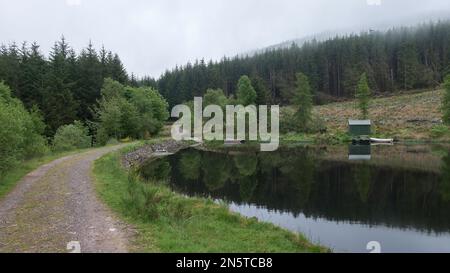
column 71, row 137
column 317, row 125
column 129, row 112
column 289, row 123
column 112, row 141
column 12, row 136
column 21, row 132
column 439, row 131
column 141, row 200
column 35, row 143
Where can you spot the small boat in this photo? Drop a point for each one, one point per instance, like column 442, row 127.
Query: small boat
column 382, row 140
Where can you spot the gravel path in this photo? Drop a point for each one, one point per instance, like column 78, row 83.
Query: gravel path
column 56, row 205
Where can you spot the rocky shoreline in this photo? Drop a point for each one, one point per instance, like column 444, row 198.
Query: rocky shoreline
column 141, row 155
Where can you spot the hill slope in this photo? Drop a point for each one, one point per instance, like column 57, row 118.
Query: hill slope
column 408, row 116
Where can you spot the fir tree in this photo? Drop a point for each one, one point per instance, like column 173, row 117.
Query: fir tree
column 363, row 96
column 302, row 99
column 246, row 94
column 59, row 105
column 262, row 94
column 89, row 81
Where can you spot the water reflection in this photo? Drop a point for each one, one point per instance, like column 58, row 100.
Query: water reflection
column 341, row 203
column 359, row 152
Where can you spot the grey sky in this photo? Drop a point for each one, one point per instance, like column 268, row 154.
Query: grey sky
column 154, row 35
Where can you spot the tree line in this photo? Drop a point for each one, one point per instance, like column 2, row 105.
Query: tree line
column 70, row 101
column 398, row 59
column 121, row 112
column 65, row 86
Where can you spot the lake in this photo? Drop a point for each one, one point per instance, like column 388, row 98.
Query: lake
column 342, row 197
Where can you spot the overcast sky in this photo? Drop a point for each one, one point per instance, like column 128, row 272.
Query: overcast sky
column 154, row 35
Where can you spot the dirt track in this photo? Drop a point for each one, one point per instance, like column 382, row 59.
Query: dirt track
column 56, row 204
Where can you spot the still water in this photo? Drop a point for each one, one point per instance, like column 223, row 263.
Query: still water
column 339, row 197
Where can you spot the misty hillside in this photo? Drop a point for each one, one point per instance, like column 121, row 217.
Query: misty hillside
column 383, row 26
column 401, row 58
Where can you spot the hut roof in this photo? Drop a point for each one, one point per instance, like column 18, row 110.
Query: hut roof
column 359, row 122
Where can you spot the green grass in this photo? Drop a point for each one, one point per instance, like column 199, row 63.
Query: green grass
column 169, row 222
column 9, row 179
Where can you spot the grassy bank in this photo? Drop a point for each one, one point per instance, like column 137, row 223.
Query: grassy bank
column 169, row 222
column 413, row 116
column 409, row 117
column 9, row 179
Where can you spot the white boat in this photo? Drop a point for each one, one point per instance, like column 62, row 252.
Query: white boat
column 382, row 140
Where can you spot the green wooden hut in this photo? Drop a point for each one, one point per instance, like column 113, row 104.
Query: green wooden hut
column 359, row 127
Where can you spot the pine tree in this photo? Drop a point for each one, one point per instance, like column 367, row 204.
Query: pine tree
column 363, row 96
column 89, row 81
column 33, row 67
column 117, row 69
column 302, row 99
column 408, row 66
column 103, row 58
column 59, row 105
column 262, row 94
column 11, row 57
column 133, row 80
column 246, row 94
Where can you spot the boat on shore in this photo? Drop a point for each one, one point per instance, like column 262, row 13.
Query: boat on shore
column 374, row 141
column 382, row 140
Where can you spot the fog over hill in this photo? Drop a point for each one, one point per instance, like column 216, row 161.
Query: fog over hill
column 383, row 25
column 152, row 36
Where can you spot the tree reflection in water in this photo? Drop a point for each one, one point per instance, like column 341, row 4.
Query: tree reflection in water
column 301, row 181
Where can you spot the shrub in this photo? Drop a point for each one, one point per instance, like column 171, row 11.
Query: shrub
column 71, row 137
column 439, row 131
column 129, row 112
column 12, row 136
column 289, row 123
column 141, row 200
column 35, row 144
column 317, row 125
column 21, row 132
column 112, row 141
